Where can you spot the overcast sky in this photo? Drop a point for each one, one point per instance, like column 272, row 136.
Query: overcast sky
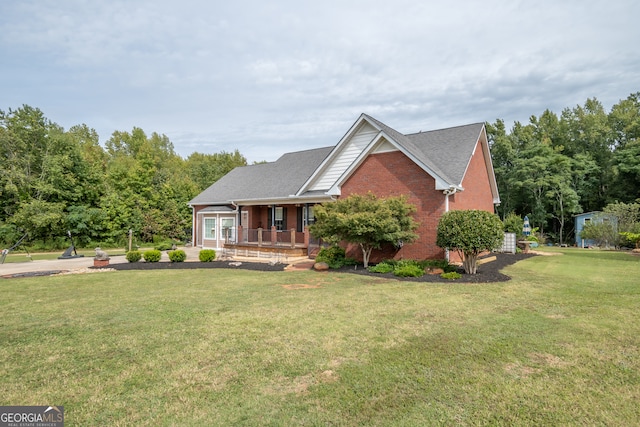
column 268, row 77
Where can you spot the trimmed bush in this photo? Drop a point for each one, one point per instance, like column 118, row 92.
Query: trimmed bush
column 470, row 232
column 334, row 256
column 207, row 255
column 177, row 255
column 152, row 255
column 382, row 267
column 408, row 269
column 133, row 256
column 452, row 275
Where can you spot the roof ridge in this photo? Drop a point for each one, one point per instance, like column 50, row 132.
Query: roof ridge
column 410, row 146
column 445, row 129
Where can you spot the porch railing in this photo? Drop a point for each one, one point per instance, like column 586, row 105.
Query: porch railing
column 272, row 237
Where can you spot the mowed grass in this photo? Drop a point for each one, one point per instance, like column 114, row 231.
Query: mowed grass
column 557, row 345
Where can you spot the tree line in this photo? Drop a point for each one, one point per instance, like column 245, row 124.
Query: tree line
column 557, row 166
column 54, row 181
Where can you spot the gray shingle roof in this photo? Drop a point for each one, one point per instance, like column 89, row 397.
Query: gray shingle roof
column 449, row 150
column 274, row 180
column 446, row 152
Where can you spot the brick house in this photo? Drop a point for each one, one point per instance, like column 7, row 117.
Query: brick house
column 268, row 207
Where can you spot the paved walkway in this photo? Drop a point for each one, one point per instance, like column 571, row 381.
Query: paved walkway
column 71, row 264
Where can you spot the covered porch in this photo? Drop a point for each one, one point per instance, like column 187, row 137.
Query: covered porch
column 267, row 230
column 270, row 242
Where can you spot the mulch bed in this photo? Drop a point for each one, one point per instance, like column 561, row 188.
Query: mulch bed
column 488, row 272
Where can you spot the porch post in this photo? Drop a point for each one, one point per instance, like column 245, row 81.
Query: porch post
column 259, row 236
column 274, row 235
column 293, row 238
column 306, row 236
column 239, row 234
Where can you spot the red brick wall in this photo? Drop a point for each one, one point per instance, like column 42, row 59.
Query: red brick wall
column 394, row 174
column 477, row 191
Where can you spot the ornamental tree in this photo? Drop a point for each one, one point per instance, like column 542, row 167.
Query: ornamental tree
column 469, row 232
column 367, row 221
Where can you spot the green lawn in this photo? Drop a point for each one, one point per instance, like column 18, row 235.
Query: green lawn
column 557, row 345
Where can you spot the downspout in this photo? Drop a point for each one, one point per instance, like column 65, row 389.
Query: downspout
column 448, row 192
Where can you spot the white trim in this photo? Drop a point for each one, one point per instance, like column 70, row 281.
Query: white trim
column 213, row 229
column 218, row 238
column 343, row 141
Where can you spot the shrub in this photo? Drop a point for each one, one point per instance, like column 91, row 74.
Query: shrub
column 409, row 269
column 152, row 255
column 334, row 256
column 452, row 275
column 513, row 223
column 177, row 255
column 438, row 263
column 133, row 256
column 207, row 255
column 470, row 232
column 382, row 267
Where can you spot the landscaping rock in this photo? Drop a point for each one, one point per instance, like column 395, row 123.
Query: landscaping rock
column 321, row 266
column 433, row 270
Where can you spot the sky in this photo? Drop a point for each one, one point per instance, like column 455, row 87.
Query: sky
column 269, row 77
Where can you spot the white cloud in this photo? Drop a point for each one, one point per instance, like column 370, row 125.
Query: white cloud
column 286, row 75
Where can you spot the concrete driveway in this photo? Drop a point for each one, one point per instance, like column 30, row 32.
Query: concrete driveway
column 70, row 264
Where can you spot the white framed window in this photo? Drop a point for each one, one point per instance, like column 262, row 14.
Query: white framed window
column 311, row 218
column 228, row 228
column 209, row 228
column 279, row 218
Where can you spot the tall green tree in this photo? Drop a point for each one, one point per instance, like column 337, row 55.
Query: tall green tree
column 43, row 173
column 588, row 132
column 206, row 169
column 624, row 121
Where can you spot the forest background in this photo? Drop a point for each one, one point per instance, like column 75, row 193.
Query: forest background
column 54, row 181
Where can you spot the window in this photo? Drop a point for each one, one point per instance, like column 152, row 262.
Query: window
column 209, row 228
column 227, row 228
column 311, row 218
column 278, row 218
column 279, row 222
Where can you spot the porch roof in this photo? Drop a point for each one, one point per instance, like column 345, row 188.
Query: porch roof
column 217, row 209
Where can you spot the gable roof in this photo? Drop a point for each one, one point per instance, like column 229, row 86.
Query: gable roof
column 274, row 180
column 444, row 154
column 447, row 152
